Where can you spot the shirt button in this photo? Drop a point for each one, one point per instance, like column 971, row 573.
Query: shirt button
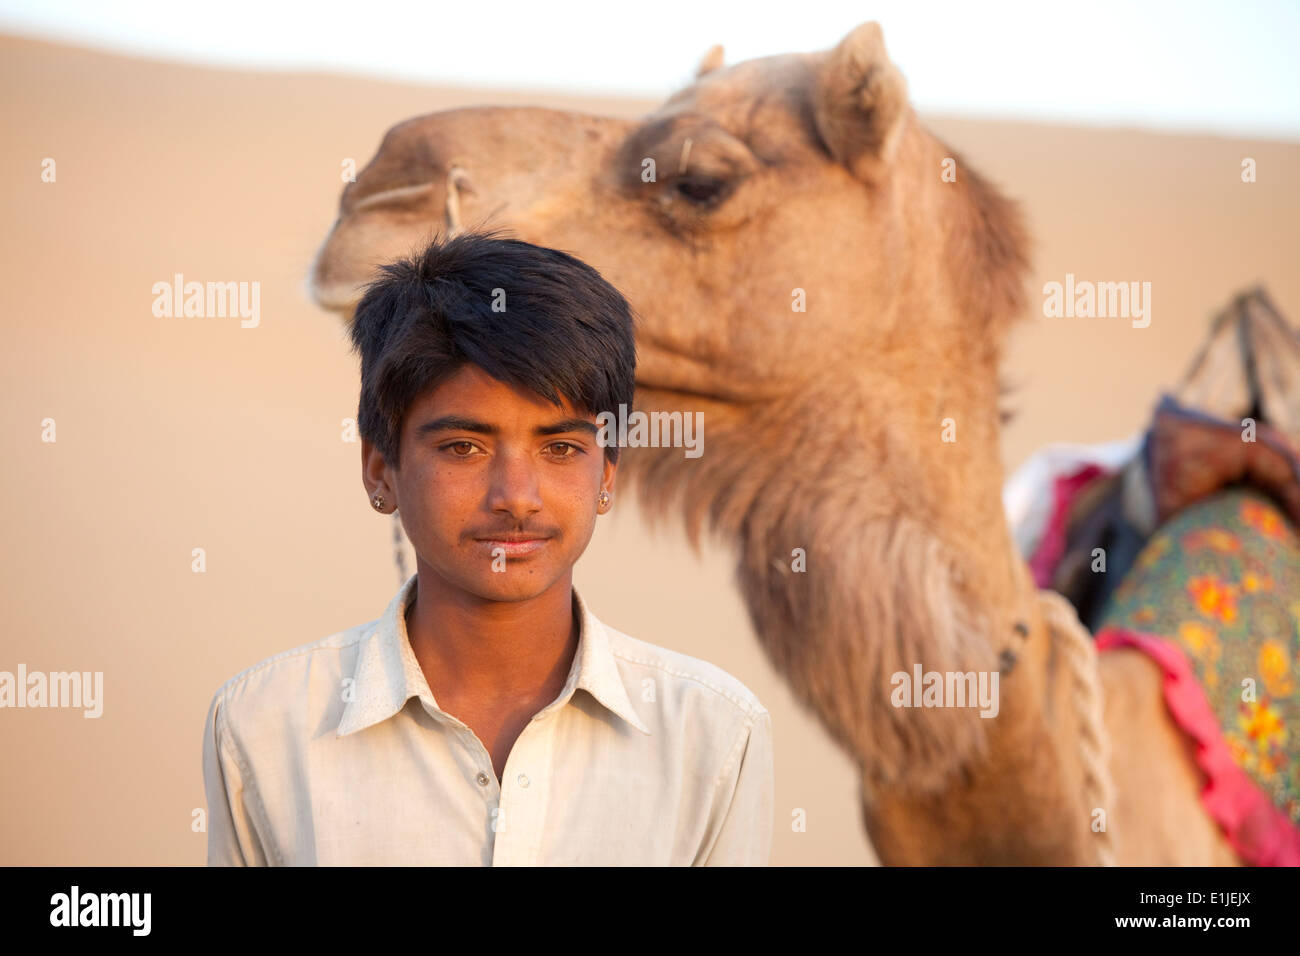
column 482, row 779
column 523, row 780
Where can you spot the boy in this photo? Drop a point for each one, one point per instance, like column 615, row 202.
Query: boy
column 488, row 717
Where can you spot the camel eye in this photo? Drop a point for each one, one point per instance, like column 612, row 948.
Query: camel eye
column 701, row 190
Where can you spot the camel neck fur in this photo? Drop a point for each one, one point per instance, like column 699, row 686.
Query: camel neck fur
column 851, row 575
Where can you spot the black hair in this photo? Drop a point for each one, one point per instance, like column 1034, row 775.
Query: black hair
column 529, row 316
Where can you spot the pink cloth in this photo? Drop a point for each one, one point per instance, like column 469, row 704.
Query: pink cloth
column 1052, row 546
column 1260, row 833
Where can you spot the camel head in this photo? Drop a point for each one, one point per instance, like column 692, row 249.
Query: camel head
column 825, row 281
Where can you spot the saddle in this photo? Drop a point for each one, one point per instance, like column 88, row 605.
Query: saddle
column 1183, row 543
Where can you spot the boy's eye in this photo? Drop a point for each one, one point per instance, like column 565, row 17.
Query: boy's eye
column 468, row 446
column 566, row 449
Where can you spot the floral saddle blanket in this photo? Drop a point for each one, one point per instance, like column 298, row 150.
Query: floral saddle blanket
column 1184, row 542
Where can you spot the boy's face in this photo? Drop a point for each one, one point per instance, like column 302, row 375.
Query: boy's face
column 483, row 462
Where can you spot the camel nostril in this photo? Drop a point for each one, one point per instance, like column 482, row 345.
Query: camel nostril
column 458, row 177
column 457, row 182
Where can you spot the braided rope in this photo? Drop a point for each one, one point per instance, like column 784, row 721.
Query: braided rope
column 1094, row 743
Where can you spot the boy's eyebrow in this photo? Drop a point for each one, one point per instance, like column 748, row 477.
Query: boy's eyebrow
column 566, row 425
column 461, row 424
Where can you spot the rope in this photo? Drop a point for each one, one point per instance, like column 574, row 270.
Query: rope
column 1094, row 756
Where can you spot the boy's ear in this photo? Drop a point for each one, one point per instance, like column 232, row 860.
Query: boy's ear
column 608, row 474
column 372, row 464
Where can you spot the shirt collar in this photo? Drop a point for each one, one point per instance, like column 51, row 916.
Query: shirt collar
column 388, row 675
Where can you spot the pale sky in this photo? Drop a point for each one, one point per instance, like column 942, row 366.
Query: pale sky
column 1228, row 68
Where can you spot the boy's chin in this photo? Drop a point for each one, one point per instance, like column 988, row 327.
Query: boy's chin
column 513, row 585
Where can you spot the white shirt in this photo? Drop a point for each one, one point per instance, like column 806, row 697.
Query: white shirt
column 336, row 753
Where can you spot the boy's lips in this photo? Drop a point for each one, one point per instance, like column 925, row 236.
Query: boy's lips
column 515, row 544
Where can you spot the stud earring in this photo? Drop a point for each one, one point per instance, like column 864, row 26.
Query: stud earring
column 378, row 501
column 603, row 499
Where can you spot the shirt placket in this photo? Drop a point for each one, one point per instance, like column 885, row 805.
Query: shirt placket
column 523, row 793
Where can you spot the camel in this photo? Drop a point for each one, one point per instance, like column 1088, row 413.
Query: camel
column 806, row 275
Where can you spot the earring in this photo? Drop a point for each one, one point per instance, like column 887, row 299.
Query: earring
column 378, row 501
column 603, row 499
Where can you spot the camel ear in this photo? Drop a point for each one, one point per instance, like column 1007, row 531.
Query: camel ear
column 860, row 103
column 711, row 61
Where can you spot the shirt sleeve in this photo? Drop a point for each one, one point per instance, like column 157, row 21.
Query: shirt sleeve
column 232, row 835
column 744, row 837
